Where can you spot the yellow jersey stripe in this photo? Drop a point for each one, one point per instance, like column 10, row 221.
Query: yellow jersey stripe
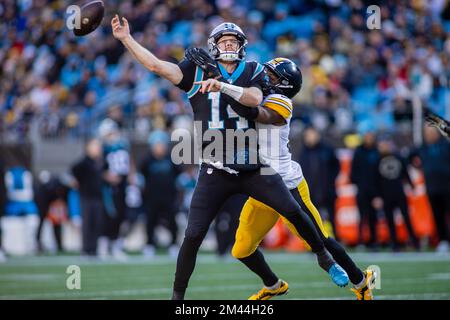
column 288, row 104
column 279, row 108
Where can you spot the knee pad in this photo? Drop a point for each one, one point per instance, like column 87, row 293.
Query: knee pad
column 243, row 246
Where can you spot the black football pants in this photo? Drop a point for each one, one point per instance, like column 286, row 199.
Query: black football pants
column 213, row 188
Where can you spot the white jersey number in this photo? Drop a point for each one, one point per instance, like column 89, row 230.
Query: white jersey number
column 216, row 123
column 119, row 162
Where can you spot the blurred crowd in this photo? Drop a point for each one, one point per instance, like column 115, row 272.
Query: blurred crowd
column 351, row 74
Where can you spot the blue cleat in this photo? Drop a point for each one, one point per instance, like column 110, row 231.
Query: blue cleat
column 338, row 275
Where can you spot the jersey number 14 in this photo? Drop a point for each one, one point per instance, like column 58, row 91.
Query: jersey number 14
column 216, row 123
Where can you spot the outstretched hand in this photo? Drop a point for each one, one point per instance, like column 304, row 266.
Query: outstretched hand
column 120, row 31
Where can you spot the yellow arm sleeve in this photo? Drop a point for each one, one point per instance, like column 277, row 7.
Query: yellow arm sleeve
column 281, row 106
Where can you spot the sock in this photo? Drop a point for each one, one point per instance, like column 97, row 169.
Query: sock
column 178, row 295
column 187, row 257
column 325, row 260
column 361, row 284
column 337, row 251
column 275, row 286
column 256, row 263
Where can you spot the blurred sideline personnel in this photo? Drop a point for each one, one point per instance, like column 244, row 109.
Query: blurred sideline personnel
column 88, row 173
column 2, row 206
column 257, row 219
column 220, row 176
column 159, row 191
column 185, row 183
column 434, row 158
column 321, row 168
column 364, row 172
column 51, row 199
column 20, row 202
column 392, row 174
column 117, row 164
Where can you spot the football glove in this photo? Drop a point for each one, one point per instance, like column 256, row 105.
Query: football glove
column 435, row 121
column 202, row 59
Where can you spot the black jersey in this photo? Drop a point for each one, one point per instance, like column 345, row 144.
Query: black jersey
column 213, row 116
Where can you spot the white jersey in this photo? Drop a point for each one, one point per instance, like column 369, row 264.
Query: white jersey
column 273, row 142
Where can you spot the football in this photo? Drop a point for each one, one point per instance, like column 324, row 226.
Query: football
column 91, row 16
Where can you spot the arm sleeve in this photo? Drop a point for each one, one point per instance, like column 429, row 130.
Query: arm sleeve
column 189, row 71
column 242, row 111
column 280, row 104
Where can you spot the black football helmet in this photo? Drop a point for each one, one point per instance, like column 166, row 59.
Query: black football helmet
column 289, row 77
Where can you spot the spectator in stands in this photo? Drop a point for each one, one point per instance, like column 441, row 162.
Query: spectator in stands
column 160, row 192
column 345, row 66
column 434, row 158
column 392, row 174
column 88, row 174
column 364, row 176
column 321, row 167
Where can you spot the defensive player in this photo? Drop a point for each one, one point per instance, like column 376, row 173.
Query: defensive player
column 257, row 218
column 225, row 171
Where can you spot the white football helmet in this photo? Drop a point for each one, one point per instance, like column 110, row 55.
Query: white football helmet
column 106, row 128
column 227, row 28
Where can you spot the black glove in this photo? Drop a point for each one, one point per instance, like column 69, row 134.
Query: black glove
column 202, row 59
column 435, row 121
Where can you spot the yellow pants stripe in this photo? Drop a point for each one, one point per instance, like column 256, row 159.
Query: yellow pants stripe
column 303, row 190
column 257, row 219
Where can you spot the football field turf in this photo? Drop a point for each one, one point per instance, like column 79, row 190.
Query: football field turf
column 403, row 276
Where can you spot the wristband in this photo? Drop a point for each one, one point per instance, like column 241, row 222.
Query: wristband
column 234, row 92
